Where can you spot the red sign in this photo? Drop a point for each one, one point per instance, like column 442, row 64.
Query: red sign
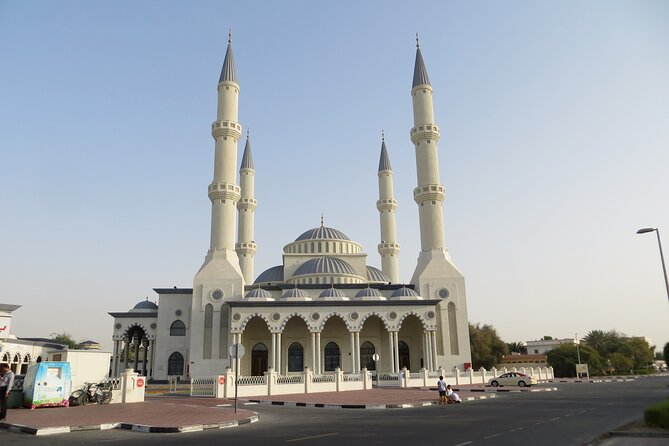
column 140, row 382
column 468, row 365
column 221, row 380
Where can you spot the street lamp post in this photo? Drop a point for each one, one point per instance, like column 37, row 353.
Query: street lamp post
column 664, row 269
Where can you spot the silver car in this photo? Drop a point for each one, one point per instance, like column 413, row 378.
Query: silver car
column 513, row 379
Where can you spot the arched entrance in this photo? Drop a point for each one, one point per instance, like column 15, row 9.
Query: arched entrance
column 175, row 364
column 404, row 355
column 259, row 359
column 367, row 351
column 295, row 357
column 332, row 357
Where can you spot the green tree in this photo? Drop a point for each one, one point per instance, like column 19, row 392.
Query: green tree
column 487, row 347
column 621, row 363
column 665, row 351
column 516, row 347
column 563, row 359
column 64, row 338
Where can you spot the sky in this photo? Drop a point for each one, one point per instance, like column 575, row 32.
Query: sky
column 554, row 149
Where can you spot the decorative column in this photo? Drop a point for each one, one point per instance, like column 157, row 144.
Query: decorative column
column 435, row 364
column 352, row 338
column 396, row 349
column 145, row 368
column 127, row 353
column 318, row 353
column 136, row 340
column 152, row 349
column 272, row 362
column 357, row 351
column 117, row 358
column 391, row 351
column 426, row 352
column 313, row 352
column 278, row 353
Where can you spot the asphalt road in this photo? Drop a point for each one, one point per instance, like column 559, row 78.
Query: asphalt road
column 574, row 415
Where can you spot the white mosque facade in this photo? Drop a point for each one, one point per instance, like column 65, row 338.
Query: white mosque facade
column 323, row 307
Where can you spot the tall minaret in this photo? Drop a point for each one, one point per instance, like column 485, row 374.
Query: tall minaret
column 224, row 193
column 429, row 194
column 386, row 204
column 246, row 247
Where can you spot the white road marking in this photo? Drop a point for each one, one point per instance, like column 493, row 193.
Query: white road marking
column 313, row 436
column 554, row 419
column 463, row 444
column 491, row 436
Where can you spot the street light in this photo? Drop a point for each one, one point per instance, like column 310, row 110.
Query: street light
column 664, row 269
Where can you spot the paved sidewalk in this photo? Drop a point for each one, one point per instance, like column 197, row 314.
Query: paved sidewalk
column 160, row 414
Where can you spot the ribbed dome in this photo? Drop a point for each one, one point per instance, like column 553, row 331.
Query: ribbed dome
column 258, row 293
column 325, row 265
column 295, row 293
column 376, row 275
column 273, row 274
column 404, row 292
column 145, row 305
column 322, row 232
column 333, row 294
column 368, row 292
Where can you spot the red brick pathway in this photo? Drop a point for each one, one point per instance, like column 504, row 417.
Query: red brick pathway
column 158, row 412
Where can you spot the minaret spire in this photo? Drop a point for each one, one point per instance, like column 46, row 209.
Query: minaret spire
column 386, row 204
column 430, row 194
column 246, row 247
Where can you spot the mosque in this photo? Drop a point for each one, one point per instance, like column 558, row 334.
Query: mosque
column 323, row 307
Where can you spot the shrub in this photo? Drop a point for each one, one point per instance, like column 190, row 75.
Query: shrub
column 657, row 415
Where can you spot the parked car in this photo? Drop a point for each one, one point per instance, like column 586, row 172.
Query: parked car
column 513, row 379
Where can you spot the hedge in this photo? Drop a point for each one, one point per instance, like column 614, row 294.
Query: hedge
column 657, row 415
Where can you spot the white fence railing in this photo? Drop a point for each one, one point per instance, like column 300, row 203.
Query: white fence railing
column 271, row 383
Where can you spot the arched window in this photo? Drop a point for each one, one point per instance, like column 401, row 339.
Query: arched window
column 178, row 328
column 175, row 364
column 295, row 357
column 405, row 360
column 332, row 357
column 259, row 359
column 5, row 358
column 312, row 246
column 367, row 351
column 39, row 359
column 208, row 325
column 453, row 329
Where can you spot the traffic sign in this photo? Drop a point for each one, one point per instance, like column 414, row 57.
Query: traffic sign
column 237, row 351
column 376, row 357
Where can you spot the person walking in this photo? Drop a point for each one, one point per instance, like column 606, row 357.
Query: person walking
column 6, row 383
column 441, row 387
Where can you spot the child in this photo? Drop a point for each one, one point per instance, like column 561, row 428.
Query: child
column 441, row 386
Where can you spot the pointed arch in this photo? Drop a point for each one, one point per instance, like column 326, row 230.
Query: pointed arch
column 332, row 356
column 401, row 319
column 175, row 364
column 335, row 314
column 262, row 316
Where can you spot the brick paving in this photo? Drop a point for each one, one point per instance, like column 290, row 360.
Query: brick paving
column 158, row 412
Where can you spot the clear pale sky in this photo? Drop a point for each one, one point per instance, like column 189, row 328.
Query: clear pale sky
column 554, row 150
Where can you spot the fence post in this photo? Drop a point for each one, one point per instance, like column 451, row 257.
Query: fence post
column 308, row 379
column 230, row 383
column 493, row 370
column 270, row 376
column 471, row 376
column 483, row 380
column 219, row 386
column 363, row 375
column 339, row 378
column 424, row 374
column 457, row 376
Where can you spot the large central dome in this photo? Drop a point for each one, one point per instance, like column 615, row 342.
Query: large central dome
column 322, row 232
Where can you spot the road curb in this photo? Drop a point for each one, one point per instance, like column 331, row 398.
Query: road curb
column 358, row 406
column 492, row 390
column 19, row 428
column 632, row 434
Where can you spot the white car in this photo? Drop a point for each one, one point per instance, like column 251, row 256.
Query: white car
column 512, row 379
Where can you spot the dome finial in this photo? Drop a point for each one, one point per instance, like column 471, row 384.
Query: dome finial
column 417, row 43
column 383, row 135
column 248, row 134
column 230, row 36
column 321, row 219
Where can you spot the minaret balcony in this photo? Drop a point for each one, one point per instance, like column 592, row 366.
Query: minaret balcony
column 248, row 248
column 386, row 205
column 224, row 191
column 227, row 129
column 429, row 192
column 388, row 248
column 247, row 203
column 425, row 132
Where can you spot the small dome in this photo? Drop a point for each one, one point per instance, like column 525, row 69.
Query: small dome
column 333, row 294
column 325, row 265
column 273, row 274
column 296, row 294
column 368, row 292
column 258, row 293
column 145, row 305
column 322, row 232
column 376, row 275
column 404, row 292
